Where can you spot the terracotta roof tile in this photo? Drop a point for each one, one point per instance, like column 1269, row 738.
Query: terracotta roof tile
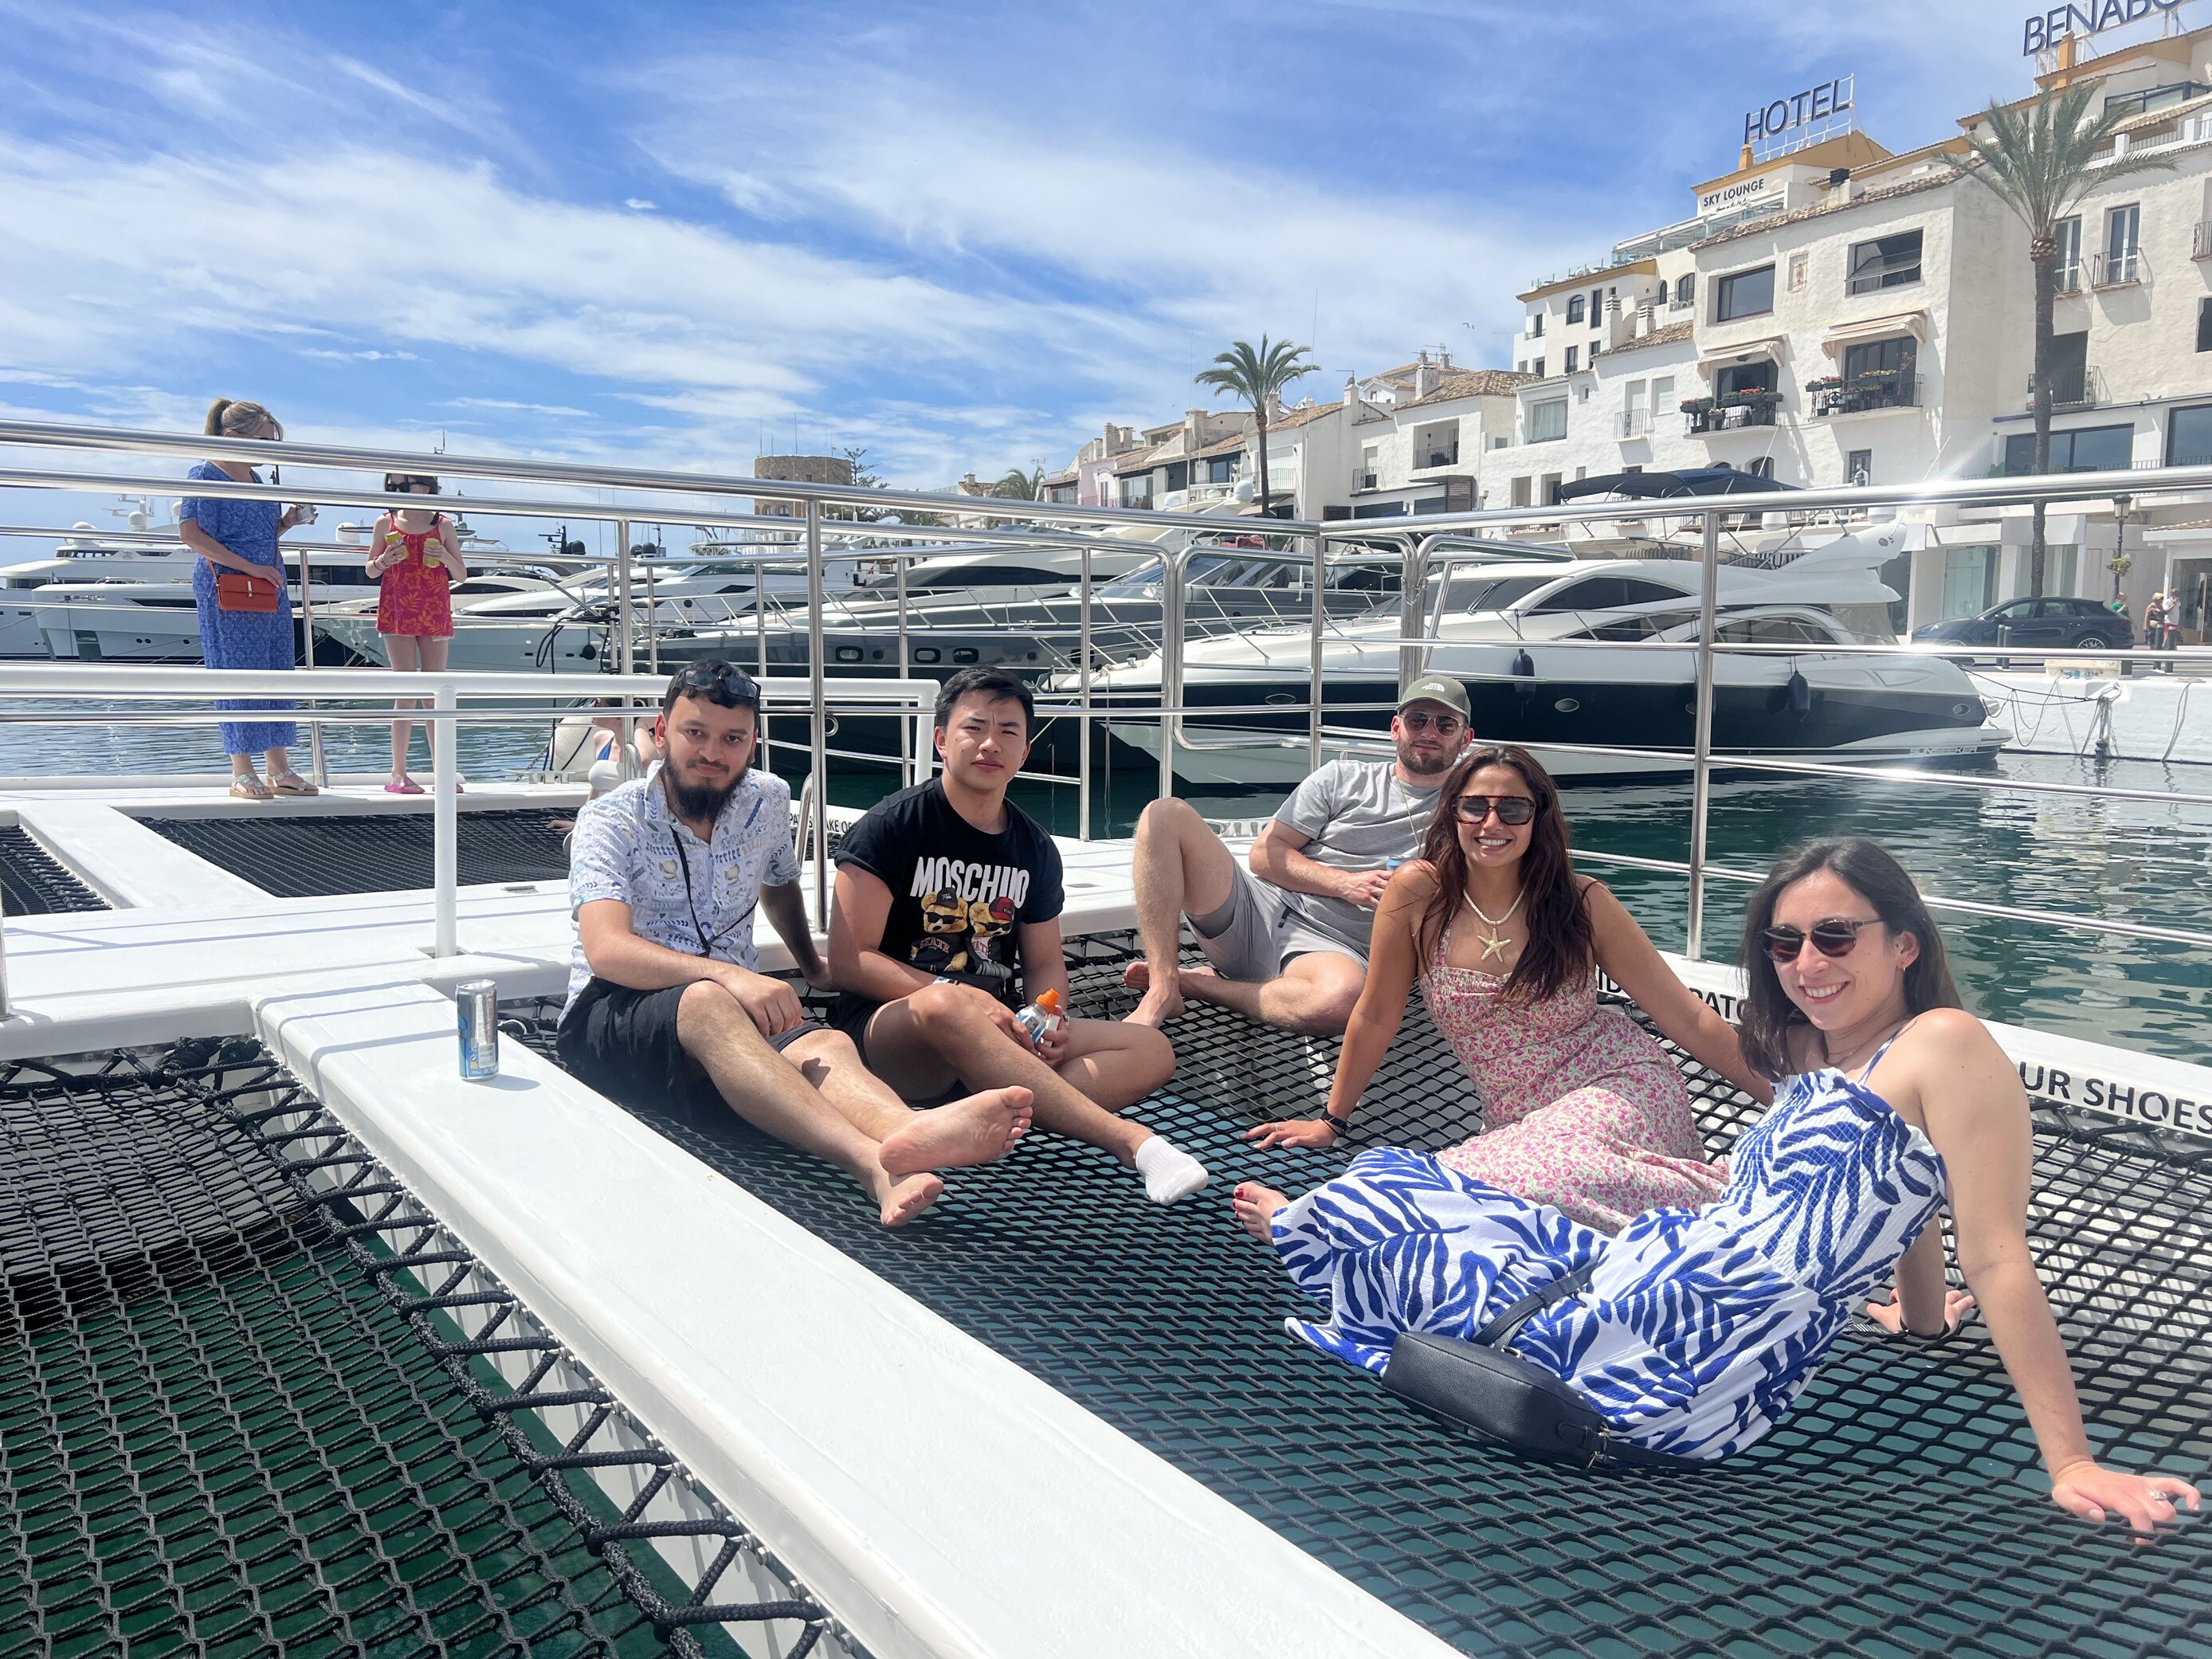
column 1476, row 383
column 1670, row 335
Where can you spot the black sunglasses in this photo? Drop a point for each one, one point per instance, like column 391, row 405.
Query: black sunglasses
column 1421, row 720
column 724, row 683
column 1510, row 809
column 1837, row 936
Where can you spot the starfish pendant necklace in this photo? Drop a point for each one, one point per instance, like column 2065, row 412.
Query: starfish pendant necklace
column 1494, row 944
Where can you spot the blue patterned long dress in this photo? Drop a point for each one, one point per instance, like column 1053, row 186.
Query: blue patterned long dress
column 1699, row 1326
column 243, row 639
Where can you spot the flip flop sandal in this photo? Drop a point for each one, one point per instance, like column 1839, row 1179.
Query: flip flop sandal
column 407, row 787
column 291, row 783
column 250, row 787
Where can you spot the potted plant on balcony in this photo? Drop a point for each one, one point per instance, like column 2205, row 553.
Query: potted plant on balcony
column 1700, row 412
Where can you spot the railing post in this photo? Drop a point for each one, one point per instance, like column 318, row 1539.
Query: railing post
column 626, row 657
column 816, row 692
column 1171, row 626
column 910, row 731
column 1701, row 769
column 1313, row 665
column 5, row 1009
column 445, row 823
column 1083, row 692
column 319, row 771
column 651, row 620
column 1413, row 614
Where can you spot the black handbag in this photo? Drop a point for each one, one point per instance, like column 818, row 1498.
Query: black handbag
column 1484, row 1386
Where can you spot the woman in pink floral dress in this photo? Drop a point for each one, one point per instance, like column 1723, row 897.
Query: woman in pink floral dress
column 1583, row 1110
column 416, row 558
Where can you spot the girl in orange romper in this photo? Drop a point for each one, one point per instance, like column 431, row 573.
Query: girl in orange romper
column 418, row 558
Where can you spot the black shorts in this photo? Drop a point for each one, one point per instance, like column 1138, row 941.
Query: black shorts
column 623, row 1044
column 851, row 1018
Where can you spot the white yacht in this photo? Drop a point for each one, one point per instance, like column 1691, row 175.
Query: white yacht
column 1526, row 631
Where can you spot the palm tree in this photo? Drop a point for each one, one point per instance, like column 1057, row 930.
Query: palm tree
column 1258, row 377
column 2036, row 161
column 1019, row 486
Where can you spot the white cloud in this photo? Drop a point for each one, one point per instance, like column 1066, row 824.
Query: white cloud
column 639, row 204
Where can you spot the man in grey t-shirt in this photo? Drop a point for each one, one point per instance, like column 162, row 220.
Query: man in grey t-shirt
column 1287, row 937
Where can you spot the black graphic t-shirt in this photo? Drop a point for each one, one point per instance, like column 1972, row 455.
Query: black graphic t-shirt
column 956, row 894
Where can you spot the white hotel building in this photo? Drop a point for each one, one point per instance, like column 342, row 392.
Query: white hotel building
column 1841, row 313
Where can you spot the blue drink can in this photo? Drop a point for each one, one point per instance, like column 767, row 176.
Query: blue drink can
column 477, row 1004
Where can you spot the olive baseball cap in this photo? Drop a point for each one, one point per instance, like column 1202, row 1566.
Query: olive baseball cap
column 1439, row 688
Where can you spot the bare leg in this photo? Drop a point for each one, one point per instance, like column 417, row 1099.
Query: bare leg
column 1114, row 1062
column 1255, row 1206
column 1316, row 994
column 403, row 652
column 767, row 1090
column 1181, row 869
column 975, row 1130
column 945, row 1032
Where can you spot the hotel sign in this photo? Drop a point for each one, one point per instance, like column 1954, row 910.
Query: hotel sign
column 1810, row 108
column 1745, row 192
column 2047, row 29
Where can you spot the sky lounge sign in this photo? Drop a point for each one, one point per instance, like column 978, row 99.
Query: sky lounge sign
column 2047, row 29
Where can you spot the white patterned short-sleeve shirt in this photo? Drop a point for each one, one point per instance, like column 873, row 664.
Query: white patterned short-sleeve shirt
column 629, row 845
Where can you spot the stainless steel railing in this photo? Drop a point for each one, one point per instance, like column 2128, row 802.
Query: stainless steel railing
column 1081, row 529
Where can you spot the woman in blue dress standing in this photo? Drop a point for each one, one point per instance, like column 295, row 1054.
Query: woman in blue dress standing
column 1696, row 1328
column 241, row 536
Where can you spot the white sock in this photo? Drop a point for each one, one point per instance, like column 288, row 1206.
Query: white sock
column 1169, row 1173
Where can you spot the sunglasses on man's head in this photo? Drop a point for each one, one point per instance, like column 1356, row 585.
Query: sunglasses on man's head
column 1421, row 720
column 733, row 683
column 1836, row 937
column 1510, row 809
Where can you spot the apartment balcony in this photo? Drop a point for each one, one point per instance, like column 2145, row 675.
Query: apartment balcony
column 1863, row 393
column 2123, row 269
column 2069, row 278
column 1633, row 423
column 1705, row 418
column 2072, row 388
column 2200, row 244
column 1438, row 455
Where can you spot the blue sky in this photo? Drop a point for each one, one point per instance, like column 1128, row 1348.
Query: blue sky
column 962, row 236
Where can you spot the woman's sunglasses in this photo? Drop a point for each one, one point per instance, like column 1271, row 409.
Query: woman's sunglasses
column 1510, row 809
column 1836, row 937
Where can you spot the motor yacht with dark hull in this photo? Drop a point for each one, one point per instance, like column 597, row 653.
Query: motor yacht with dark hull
column 1579, row 653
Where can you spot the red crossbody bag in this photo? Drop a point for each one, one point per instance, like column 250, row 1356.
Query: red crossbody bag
column 236, row 590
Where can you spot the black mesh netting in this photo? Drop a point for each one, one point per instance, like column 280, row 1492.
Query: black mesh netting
column 316, row 855
column 225, row 1429
column 33, row 883
column 1899, row 1508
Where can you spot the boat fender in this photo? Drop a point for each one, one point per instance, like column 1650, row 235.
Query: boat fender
column 1524, row 666
column 1801, row 695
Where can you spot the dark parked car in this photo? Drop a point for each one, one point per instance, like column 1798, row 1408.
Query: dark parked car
column 2060, row 624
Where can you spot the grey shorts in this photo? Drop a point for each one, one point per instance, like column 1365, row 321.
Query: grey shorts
column 1254, row 937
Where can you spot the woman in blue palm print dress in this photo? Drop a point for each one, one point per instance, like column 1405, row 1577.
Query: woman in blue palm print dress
column 1698, row 1328
column 241, row 536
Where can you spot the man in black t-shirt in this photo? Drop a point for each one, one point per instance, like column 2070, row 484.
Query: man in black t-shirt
column 947, row 921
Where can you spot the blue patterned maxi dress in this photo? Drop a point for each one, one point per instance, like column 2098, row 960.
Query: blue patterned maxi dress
column 1699, row 1326
column 243, row 639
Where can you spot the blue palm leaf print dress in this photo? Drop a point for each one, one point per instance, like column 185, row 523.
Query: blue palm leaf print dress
column 1698, row 1328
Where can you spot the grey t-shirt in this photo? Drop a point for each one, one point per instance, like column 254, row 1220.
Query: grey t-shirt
column 1358, row 817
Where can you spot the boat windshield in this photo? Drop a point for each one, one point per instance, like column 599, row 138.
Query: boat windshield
column 1471, row 593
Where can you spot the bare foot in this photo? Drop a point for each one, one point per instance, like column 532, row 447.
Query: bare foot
column 1255, row 1206
column 1159, row 1003
column 971, row 1131
column 905, row 1198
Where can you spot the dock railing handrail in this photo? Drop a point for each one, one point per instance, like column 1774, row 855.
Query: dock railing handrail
column 1086, row 529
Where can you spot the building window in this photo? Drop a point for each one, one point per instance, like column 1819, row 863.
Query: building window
column 2085, row 449
column 1763, row 467
column 1798, row 264
column 1885, row 262
column 1535, row 325
column 2122, row 227
column 1745, row 294
column 2067, row 232
column 1970, row 580
column 1574, row 355
column 1548, row 420
column 1521, row 491
column 1859, row 469
column 1222, row 469
column 1575, row 309
column 1551, row 489
column 1538, row 367
column 2188, row 436
column 1686, row 288
column 2205, row 324
column 1739, row 378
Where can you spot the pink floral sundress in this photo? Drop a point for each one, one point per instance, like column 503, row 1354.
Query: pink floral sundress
column 1582, row 1112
